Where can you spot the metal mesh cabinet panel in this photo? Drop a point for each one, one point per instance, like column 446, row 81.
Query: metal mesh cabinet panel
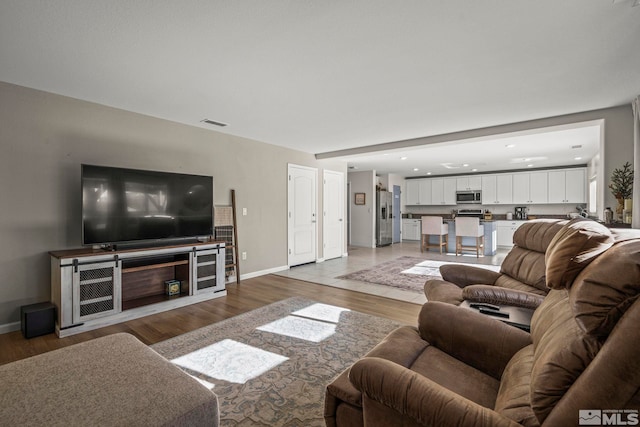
column 97, row 290
column 208, row 268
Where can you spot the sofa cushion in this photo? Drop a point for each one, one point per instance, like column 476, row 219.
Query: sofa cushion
column 536, row 235
column 562, row 351
column 457, row 376
column 577, row 244
column 607, row 289
column 523, row 266
column 514, row 399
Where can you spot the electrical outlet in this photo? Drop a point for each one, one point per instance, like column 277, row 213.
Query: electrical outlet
column 244, row 256
column 244, row 211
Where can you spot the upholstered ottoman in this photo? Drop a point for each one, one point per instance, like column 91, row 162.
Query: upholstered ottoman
column 113, row 380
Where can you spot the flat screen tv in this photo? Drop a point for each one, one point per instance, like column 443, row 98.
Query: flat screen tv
column 128, row 205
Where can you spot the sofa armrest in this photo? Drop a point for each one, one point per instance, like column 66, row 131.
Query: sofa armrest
column 502, row 296
column 404, row 393
column 465, row 275
column 486, row 344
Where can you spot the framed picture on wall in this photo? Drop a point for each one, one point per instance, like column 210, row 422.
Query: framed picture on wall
column 360, row 198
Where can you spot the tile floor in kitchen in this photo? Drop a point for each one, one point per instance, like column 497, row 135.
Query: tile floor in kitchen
column 361, row 258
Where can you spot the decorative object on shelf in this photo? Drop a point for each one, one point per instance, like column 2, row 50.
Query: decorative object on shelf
column 172, row 287
column 360, row 198
column 622, row 186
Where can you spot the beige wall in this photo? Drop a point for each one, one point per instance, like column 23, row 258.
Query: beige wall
column 43, row 140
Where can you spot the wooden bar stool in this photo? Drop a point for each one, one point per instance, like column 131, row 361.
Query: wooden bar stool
column 433, row 226
column 469, row 227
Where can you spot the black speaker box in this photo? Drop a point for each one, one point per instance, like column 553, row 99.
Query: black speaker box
column 38, row 319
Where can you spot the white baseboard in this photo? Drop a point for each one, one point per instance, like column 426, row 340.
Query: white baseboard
column 263, row 272
column 9, row 327
column 319, row 260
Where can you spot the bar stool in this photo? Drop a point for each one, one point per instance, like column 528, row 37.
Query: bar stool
column 469, row 227
column 433, row 226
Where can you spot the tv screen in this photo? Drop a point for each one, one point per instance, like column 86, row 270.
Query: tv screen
column 128, row 205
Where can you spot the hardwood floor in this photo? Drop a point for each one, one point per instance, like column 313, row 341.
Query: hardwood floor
column 249, row 295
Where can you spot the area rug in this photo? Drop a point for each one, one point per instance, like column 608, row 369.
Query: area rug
column 406, row 273
column 270, row 366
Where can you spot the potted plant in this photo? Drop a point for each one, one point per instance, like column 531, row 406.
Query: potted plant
column 622, row 186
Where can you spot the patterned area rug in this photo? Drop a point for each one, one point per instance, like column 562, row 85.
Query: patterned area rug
column 270, row 366
column 407, row 273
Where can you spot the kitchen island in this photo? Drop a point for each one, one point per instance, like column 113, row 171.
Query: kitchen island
column 490, row 237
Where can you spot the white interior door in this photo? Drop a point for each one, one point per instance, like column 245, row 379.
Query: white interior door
column 333, row 214
column 302, row 215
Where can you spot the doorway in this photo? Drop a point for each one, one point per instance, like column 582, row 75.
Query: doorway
column 333, row 214
column 302, row 216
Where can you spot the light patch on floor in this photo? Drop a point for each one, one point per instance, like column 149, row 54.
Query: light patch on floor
column 301, row 328
column 324, row 312
column 231, row 361
column 432, row 268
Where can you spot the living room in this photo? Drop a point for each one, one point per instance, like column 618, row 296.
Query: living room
column 59, row 110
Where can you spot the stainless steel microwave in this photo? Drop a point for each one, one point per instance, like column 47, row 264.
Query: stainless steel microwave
column 472, row 196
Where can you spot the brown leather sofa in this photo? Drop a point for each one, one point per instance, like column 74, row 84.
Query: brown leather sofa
column 520, row 282
column 460, row 368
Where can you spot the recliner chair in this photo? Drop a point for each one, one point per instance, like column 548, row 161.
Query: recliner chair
column 460, row 368
column 520, row 282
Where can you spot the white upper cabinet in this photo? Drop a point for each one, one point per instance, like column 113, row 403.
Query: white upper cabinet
column 526, row 188
column 530, row 187
column 567, row 186
column 468, row 183
column 497, row 189
column 418, row 192
column 413, row 192
column 443, row 191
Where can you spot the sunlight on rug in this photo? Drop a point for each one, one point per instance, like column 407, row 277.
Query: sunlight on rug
column 270, row 366
column 406, row 273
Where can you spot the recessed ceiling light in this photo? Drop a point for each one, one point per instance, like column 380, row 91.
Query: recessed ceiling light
column 527, row 160
column 465, row 165
column 428, row 173
column 474, row 170
column 529, row 166
column 510, row 145
column 403, row 158
column 416, row 169
column 577, row 158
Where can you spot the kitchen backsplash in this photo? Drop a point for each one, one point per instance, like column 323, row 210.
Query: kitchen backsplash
column 558, row 210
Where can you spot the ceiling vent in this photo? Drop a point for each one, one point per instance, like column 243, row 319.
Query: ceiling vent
column 212, row 122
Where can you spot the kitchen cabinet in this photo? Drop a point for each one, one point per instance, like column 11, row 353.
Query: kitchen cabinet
column 411, row 229
column 497, row 189
column 567, row 186
column 530, row 187
column 505, row 231
column 464, row 183
column 418, row 192
column 443, row 191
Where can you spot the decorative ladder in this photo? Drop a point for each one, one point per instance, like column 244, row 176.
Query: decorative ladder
column 226, row 230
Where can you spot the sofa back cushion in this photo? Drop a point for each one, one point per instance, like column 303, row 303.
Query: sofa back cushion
column 601, row 294
column 562, row 351
column 571, row 326
column 573, row 247
column 525, row 263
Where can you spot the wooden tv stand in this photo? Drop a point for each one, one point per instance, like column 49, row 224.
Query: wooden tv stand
column 93, row 288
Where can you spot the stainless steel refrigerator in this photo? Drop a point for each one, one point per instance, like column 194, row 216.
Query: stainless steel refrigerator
column 384, row 221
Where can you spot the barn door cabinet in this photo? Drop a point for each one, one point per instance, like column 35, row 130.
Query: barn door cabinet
column 95, row 288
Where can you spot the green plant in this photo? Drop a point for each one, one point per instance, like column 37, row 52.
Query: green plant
column 622, row 182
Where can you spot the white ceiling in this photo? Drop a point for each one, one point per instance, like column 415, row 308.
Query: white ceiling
column 545, row 148
column 329, row 75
